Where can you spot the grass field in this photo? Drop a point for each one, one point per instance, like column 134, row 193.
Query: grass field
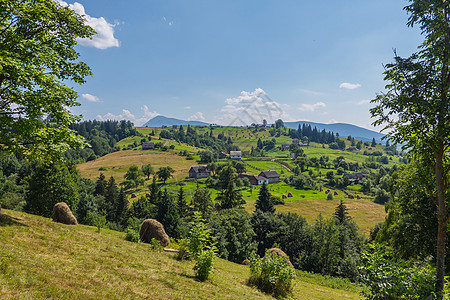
column 40, row 259
column 116, row 164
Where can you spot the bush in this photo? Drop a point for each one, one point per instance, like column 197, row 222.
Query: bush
column 271, row 274
column 330, row 196
column 388, row 278
column 201, row 247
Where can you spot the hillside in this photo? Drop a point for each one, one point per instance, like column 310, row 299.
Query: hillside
column 343, row 129
column 42, row 259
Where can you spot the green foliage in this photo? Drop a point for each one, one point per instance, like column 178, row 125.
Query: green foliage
column 49, row 184
column 388, row 278
column 202, row 202
column 201, row 247
column 38, row 56
column 330, row 196
column 165, row 173
column 233, row 234
column 271, row 274
column 96, row 219
column 147, row 170
column 168, row 214
column 132, row 231
column 264, row 201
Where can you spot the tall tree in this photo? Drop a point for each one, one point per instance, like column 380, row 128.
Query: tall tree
column 165, row 173
column 181, row 202
column 201, row 201
column 147, row 170
column 37, row 43
column 168, row 214
column 415, row 107
column 341, row 213
column 264, row 203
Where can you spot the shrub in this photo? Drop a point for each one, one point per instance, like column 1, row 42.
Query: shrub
column 388, row 278
column 272, row 274
column 201, row 247
column 330, row 196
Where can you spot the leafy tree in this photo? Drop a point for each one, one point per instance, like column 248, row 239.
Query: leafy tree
column 279, row 124
column 415, row 106
column 212, row 167
column 165, row 173
column 38, row 56
column 132, row 177
column 49, row 184
column 233, row 234
column 147, row 170
column 264, row 202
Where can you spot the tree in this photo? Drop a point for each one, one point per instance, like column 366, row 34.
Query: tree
column 341, row 213
column 165, row 173
column 264, row 203
column 100, row 185
column 132, row 177
column 279, row 124
column 49, row 184
column 415, row 107
column 181, row 203
column 374, row 143
column 168, row 214
column 147, row 170
column 201, row 202
column 37, row 43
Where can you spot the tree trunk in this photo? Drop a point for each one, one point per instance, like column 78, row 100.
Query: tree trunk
column 442, row 220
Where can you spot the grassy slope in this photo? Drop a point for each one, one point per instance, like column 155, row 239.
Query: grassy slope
column 42, row 259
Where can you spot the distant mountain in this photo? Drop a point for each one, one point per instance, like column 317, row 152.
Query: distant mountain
column 343, row 129
column 160, row 121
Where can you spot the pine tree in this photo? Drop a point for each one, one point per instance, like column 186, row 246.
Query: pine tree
column 154, row 189
column 100, row 185
column 264, row 203
column 168, row 214
column 181, row 202
column 341, row 213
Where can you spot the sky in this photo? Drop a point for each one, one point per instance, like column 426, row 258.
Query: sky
column 236, row 62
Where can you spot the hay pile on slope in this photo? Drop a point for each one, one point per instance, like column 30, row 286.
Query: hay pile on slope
column 281, row 253
column 63, row 214
column 151, row 228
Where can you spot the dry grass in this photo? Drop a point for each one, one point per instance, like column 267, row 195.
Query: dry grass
column 116, row 164
column 364, row 212
column 42, row 259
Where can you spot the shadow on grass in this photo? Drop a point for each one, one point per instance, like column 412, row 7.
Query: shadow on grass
column 6, row 220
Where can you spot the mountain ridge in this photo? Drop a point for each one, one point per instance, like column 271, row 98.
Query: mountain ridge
column 344, row 129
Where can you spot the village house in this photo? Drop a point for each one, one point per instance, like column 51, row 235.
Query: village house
column 355, row 177
column 148, row 146
column 235, row 154
column 258, row 180
column 284, row 147
column 272, row 176
column 198, row 172
column 353, row 166
column 296, row 141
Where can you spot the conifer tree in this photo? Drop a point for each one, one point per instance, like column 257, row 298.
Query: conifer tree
column 168, row 214
column 341, row 213
column 100, row 185
column 264, row 203
column 181, row 202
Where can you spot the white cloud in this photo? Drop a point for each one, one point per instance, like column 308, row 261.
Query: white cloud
column 127, row 115
column 251, row 107
column 311, row 107
column 104, row 37
column 187, row 107
column 362, row 102
column 349, row 86
column 198, row 116
column 90, row 98
column 310, row 92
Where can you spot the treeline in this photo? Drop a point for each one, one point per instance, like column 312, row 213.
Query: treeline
column 193, row 138
column 101, row 136
column 307, row 134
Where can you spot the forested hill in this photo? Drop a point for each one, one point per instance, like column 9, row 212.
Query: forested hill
column 342, row 129
column 160, row 121
column 102, row 137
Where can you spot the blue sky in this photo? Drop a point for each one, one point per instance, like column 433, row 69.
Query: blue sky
column 218, row 61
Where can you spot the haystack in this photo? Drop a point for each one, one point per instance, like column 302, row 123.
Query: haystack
column 284, row 196
column 351, row 196
column 63, row 214
column 246, row 262
column 151, row 228
column 335, row 193
column 290, row 195
column 281, row 253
